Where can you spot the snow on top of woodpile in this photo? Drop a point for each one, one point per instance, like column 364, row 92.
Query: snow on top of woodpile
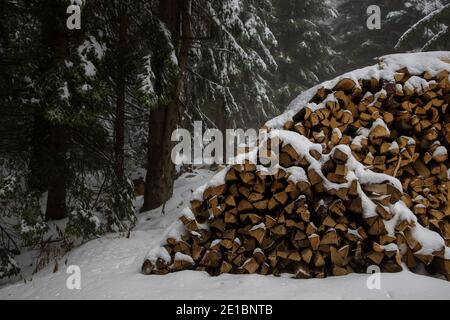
column 387, row 66
column 303, row 146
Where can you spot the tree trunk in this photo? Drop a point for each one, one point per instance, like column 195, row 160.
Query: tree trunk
column 160, row 169
column 49, row 169
column 58, row 174
column 119, row 140
column 38, row 177
column 222, row 122
column 164, row 119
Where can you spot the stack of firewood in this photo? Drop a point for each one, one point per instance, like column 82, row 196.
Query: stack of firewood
column 401, row 129
column 363, row 169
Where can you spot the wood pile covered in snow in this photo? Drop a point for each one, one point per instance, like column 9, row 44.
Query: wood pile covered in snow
column 363, row 180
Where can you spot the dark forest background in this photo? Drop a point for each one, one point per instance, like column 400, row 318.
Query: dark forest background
column 85, row 112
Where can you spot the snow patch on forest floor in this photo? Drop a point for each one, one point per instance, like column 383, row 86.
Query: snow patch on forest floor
column 110, row 269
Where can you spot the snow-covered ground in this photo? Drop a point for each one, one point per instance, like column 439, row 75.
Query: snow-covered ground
column 110, row 269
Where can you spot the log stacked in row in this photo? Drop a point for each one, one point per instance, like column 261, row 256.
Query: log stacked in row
column 401, row 129
column 293, row 222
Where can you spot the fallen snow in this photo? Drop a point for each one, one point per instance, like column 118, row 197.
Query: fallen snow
column 440, row 151
column 380, row 123
column 258, row 226
column 394, row 146
column 416, row 83
column 296, row 174
column 430, row 240
column 183, row 257
column 159, row 253
column 338, row 132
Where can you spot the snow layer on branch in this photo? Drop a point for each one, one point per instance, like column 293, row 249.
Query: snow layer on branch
column 90, row 46
column 421, row 24
column 416, row 63
column 65, row 94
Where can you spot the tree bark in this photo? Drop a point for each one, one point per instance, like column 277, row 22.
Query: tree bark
column 58, row 177
column 160, row 169
column 49, row 168
column 119, row 135
column 38, row 177
column 164, row 119
column 222, row 122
